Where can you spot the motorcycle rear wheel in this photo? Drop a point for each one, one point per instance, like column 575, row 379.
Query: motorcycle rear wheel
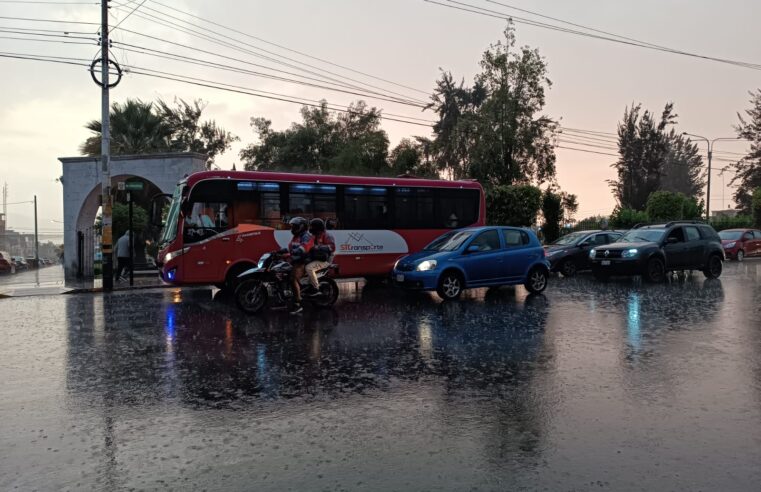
column 251, row 296
column 328, row 293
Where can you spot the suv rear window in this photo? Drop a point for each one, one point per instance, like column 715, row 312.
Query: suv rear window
column 708, row 232
column 692, row 234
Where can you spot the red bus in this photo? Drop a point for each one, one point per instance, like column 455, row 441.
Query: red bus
column 220, row 222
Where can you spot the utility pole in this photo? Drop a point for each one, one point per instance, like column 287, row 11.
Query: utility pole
column 710, row 144
column 36, row 235
column 105, row 151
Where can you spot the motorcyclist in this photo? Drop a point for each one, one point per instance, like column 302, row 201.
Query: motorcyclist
column 299, row 248
column 320, row 255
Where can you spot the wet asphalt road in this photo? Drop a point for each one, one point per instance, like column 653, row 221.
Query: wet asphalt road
column 621, row 386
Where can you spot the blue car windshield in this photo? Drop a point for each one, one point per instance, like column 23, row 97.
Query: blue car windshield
column 646, row 235
column 449, row 241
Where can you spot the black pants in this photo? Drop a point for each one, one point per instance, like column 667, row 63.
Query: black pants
column 122, row 265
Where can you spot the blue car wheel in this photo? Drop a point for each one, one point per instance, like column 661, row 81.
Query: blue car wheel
column 450, row 285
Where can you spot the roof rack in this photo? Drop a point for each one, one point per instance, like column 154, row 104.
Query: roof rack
column 674, row 222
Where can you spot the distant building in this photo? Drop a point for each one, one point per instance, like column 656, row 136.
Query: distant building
column 724, row 214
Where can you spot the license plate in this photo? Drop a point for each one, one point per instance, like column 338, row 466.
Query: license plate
column 605, row 263
column 399, row 277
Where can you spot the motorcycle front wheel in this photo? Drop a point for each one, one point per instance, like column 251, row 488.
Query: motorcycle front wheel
column 251, row 296
column 328, row 293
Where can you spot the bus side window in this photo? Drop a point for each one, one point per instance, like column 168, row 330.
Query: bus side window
column 456, row 208
column 413, row 208
column 365, row 208
column 312, row 200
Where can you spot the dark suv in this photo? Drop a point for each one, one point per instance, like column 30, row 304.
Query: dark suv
column 654, row 250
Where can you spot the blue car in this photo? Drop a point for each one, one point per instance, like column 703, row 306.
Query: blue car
column 475, row 257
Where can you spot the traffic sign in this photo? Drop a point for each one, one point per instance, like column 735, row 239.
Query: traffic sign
column 133, row 185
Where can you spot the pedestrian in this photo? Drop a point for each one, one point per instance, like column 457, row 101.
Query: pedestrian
column 123, row 257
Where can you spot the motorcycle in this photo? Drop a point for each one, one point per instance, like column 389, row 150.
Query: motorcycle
column 269, row 284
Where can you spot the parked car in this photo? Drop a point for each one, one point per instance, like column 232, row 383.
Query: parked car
column 20, row 263
column 652, row 251
column 570, row 253
column 32, row 262
column 741, row 243
column 6, row 263
column 475, row 257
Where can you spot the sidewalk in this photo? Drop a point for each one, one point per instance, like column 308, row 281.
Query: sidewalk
column 51, row 281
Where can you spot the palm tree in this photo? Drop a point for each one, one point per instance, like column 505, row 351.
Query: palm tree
column 135, row 129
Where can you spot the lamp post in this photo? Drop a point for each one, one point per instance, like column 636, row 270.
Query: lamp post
column 710, row 144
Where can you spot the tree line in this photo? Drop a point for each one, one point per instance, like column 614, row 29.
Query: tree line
column 493, row 130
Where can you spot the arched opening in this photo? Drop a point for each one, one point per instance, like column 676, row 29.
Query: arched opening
column 89, row 256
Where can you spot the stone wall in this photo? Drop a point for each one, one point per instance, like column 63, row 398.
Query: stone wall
column 82, row 182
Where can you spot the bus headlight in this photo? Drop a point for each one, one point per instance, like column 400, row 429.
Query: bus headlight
column 426, row 265
column 174, row 254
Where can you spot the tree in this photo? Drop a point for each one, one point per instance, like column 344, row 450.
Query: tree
column 644, row 147
column 325, row 141
column 493, row 131
column 748, row 170
column 552, row 210
column 756, row 206
column 683, row 170
column 189, row 133
column 138, row 128
column 625, row 218
column 665, row 205
column 135, row 129
column 411, row 157
column 513, row 205
column 570, row 206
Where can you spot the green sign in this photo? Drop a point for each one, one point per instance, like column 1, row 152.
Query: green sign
column 133, row 185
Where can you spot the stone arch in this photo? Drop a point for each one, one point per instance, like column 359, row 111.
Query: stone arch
column 81, row 190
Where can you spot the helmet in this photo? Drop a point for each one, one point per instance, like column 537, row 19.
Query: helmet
column 316, row 226
column 298, row 225
column 330, row 224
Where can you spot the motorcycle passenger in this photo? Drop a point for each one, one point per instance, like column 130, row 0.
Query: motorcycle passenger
column 299, row 248
column 321, row 253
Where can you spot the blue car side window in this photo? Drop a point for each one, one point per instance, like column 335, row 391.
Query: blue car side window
column 486, row 241
column 514, row 238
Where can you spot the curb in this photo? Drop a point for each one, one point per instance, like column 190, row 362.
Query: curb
column 98, row 290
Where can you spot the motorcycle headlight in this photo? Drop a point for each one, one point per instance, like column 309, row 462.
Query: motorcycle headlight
column 396, row 263
column 730, row 245
column 592, row 253
column 426, row 265
column 263, row 259
column 630, row 253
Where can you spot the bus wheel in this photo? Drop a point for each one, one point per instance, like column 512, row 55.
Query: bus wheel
column 231, row 280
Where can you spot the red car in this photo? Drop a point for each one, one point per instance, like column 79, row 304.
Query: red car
column 741, row 243
column 6, row 263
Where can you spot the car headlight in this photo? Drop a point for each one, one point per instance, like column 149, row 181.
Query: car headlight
column 174, row 254
column 426, row 265
column 592, row 253
column 552, row 252
column 630, row 253
column 730, row 245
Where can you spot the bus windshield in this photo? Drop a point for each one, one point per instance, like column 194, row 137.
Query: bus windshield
column 170, row 225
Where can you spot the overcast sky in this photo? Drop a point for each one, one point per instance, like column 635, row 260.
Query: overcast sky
column 43, row 107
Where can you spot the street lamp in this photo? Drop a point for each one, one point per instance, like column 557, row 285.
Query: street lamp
column 710, row 144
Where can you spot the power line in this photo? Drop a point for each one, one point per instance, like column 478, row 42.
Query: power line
column 207, row 63
column 55, row 21
column 30, row 2
column 278, row 60
column 127, row 16
column 291, row 50
column 501, row 15
column 587, row 151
